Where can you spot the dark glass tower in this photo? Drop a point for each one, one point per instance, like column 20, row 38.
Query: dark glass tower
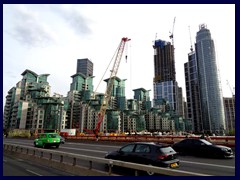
column 192, row 92
column 85, row 66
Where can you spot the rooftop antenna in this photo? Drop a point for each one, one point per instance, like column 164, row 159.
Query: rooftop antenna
column 190, row 39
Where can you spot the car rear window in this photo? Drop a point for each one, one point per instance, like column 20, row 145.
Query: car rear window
column 166, row 150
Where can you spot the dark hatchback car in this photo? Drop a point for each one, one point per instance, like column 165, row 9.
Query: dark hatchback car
column 146, row 153
column 203, row 148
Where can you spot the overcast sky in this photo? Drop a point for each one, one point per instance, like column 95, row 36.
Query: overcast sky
column 48, row 39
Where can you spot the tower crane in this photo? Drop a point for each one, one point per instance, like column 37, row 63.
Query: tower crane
column 231, row 89
column 190, row 39
column 107, row 94
column 171, row 33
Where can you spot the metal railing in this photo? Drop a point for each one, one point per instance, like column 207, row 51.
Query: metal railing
column 37, row 154
column 219, row 140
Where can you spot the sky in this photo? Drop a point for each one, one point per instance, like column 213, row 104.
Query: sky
column 48, row 39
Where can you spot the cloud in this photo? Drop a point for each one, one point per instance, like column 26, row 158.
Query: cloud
column 74, row 18
column 29, row 30
column 10, row 74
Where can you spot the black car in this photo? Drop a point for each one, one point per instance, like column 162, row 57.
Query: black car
column 201, row 147
column 146, row 153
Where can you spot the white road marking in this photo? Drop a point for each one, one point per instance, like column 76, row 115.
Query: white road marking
column 33, row 172
column 94, row 145
column 207, row 164
column 89, row 150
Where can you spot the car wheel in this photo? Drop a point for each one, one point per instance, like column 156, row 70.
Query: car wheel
column 44, row 146
column 57, row 146
column 35, row 144
column 150, row 173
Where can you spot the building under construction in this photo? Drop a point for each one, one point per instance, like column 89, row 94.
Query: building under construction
column 164, row 82
column 164, row 63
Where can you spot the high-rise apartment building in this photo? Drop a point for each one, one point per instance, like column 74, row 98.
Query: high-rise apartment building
column 30, row 106
column 229, row 106
column 142, row 95
column 85, row 66
column 212, row 109
column 81, row 89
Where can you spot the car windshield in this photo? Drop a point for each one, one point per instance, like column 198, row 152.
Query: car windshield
column 53, row 135
column 205, row 142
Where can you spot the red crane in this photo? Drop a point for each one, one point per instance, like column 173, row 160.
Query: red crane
column 108, row 91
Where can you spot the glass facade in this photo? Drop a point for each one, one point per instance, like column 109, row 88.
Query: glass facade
column 192, row 92
column 209, row 82
column 166, row 90
column 85, row 66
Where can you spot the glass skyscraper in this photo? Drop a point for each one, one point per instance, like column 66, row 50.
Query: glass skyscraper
column 209, row 83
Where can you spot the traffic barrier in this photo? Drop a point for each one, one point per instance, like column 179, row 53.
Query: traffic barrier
column 218, row 140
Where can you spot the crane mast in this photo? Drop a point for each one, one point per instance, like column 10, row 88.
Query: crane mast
column 108, row 91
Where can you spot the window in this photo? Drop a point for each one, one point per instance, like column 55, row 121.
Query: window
column 142, row 148
column 52, row 135
column 42, row 135
column 128, row 148
column 166, row 150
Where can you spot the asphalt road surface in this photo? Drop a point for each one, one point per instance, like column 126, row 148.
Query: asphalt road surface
column 20, row 167
column 215, row 167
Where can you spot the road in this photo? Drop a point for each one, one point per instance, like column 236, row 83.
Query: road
column 20, row 167
column 215, row 167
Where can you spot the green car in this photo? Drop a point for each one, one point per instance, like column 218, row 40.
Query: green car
column 47, row 140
